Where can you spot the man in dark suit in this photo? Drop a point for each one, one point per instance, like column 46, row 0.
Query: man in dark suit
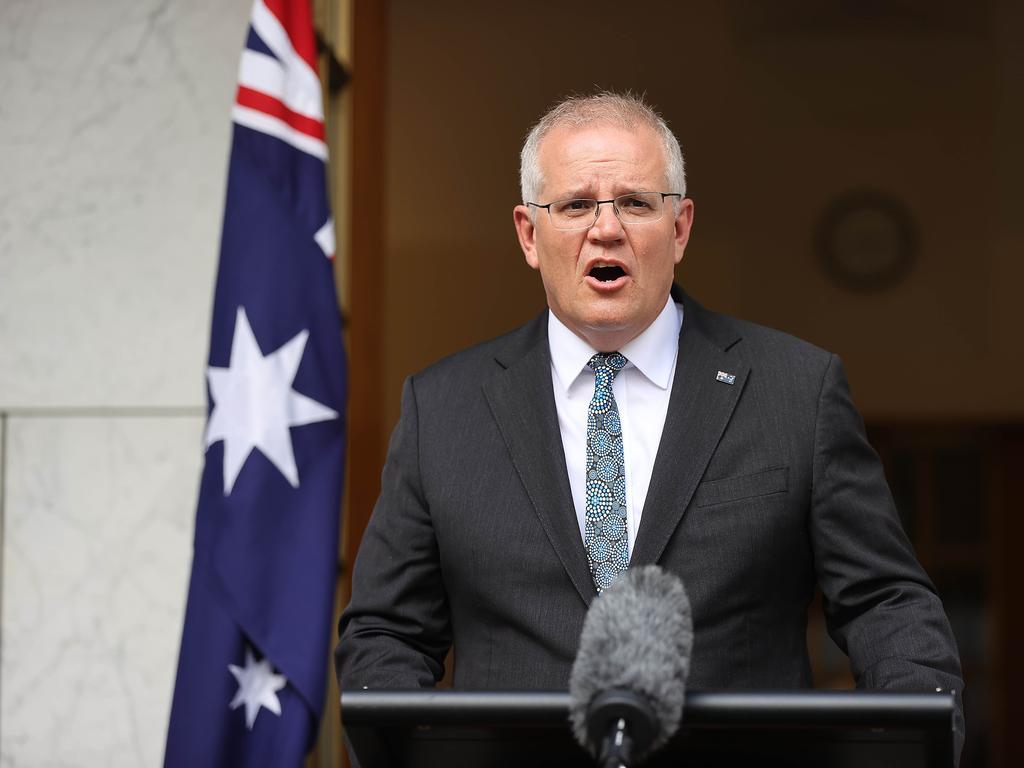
column 629, row 425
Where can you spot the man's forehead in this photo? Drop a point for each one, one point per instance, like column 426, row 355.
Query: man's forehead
column 579, row 154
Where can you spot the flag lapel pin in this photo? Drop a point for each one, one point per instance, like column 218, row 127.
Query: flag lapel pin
column 726, row 378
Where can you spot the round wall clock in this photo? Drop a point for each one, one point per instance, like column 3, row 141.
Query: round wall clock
column 866, row 240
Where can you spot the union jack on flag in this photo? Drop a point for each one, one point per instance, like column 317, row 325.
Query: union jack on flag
column 253, row 663
column 278, row 84
column 279, row 87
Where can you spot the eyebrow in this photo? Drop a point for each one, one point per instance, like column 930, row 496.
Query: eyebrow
column 574, row 193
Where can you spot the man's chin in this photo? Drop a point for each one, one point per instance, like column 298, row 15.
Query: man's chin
column 608, row 332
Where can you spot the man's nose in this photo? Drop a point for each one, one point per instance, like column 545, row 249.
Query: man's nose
column 607, row 224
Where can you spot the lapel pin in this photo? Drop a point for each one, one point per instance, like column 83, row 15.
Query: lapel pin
column 728, row 378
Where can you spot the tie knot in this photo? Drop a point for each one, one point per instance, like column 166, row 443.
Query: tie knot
column 613, row 361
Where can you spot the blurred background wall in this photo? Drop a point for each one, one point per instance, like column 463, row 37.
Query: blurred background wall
column 113, row 144
column 780, row 108
column 813, row 130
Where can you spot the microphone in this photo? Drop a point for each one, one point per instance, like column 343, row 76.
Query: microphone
column 629, row 679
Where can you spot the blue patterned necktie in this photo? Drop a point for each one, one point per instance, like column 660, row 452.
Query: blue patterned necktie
column 605, row 529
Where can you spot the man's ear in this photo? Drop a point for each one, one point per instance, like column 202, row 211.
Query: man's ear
column 527, row 232
column 683, row 225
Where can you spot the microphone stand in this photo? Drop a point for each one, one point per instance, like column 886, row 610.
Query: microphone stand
column 617, row 749
column 623, row 724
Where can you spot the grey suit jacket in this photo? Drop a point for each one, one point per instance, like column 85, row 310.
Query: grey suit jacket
column 760, row 490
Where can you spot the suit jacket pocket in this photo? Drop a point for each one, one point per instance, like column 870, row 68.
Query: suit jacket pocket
column 741, row 487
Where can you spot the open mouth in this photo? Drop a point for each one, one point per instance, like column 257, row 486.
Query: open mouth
column 607, row 274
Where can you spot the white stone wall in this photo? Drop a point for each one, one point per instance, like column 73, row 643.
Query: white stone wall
column 114, row 137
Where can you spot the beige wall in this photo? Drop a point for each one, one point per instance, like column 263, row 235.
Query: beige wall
column 778, row 113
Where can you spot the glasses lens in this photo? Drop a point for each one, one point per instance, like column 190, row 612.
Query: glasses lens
column 573, row 214
column 639, row 207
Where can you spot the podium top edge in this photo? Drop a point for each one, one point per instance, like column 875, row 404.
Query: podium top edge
column 824, row 708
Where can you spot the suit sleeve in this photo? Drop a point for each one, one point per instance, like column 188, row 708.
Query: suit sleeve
column 396, row 630
column 880, row 606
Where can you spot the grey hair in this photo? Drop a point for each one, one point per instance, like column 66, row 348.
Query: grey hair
column 625, row 110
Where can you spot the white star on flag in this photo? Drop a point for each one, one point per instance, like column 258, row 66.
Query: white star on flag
column 257, row 687
column 254, row 403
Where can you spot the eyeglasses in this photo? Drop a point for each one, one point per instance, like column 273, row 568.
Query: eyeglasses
column 582, row 213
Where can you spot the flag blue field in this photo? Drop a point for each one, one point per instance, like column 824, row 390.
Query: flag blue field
column 253, row 662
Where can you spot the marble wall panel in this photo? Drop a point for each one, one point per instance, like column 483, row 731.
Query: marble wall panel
column 96, row 554
column 3, row 440
column 114, row 136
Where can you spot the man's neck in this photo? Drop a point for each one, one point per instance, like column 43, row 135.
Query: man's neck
column 603, row 339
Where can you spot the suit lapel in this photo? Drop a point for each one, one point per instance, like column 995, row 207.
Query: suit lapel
column 699, row 408
column 523, row 405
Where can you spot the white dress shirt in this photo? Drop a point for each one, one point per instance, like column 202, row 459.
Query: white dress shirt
column 641, row 390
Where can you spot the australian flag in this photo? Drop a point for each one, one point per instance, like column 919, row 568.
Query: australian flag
column 254, row 651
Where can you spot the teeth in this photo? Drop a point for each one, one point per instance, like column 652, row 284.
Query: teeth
column 606, row 272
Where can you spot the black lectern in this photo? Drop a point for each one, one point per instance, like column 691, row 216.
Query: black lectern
column 835, row 729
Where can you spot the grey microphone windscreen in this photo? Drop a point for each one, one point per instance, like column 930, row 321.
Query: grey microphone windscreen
column 637, row 636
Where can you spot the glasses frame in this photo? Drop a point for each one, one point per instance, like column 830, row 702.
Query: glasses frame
column 597, row 209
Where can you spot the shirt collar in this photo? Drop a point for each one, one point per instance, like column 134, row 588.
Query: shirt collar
column 653, row 352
